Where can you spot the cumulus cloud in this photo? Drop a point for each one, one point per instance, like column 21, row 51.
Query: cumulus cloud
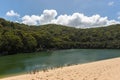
column 31, row 20
column 48, row 16
column 78, row 20
column 11, row 13
column 45, row 18
column 111, row 3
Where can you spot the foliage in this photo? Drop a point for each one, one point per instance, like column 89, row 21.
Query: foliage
column 17, row 38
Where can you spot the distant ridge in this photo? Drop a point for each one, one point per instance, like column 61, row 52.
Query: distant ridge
column 21, row 38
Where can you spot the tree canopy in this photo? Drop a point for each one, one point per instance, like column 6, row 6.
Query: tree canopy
column 19, row 38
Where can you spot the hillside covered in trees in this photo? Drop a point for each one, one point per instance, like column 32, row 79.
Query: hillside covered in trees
column 21, row 38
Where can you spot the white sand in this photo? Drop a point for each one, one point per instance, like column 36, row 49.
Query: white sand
column 100, row 70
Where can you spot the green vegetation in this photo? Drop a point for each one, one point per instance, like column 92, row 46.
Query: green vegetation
column 18, row 38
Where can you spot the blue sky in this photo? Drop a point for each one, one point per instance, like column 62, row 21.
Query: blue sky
column 103, row 8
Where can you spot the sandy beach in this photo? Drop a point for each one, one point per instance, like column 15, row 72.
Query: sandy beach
column 99, row 70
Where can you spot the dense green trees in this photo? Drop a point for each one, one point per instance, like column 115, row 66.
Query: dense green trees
column 29, row 43
column 18, row 38
column 11, row 43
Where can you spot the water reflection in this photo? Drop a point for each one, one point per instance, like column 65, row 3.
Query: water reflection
column 27, row 62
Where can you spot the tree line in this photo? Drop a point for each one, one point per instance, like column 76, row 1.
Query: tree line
column 21, row 38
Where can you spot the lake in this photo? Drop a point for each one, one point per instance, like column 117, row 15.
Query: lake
column 22, row 63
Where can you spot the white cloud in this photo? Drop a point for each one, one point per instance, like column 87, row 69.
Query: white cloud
column 48, row 16
column 111, row 3
column 11, row 13
column 31, row 20
column 77, row 20
column 81, row 21
column 45, row 18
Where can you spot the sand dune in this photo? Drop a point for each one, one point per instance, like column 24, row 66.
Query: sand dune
column 100, row 70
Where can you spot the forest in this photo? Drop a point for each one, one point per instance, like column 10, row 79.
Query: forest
column 20, row 38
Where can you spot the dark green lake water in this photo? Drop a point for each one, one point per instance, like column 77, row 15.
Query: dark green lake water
column 21, row 63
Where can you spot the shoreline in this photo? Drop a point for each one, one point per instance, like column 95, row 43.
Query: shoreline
column 99, row 70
